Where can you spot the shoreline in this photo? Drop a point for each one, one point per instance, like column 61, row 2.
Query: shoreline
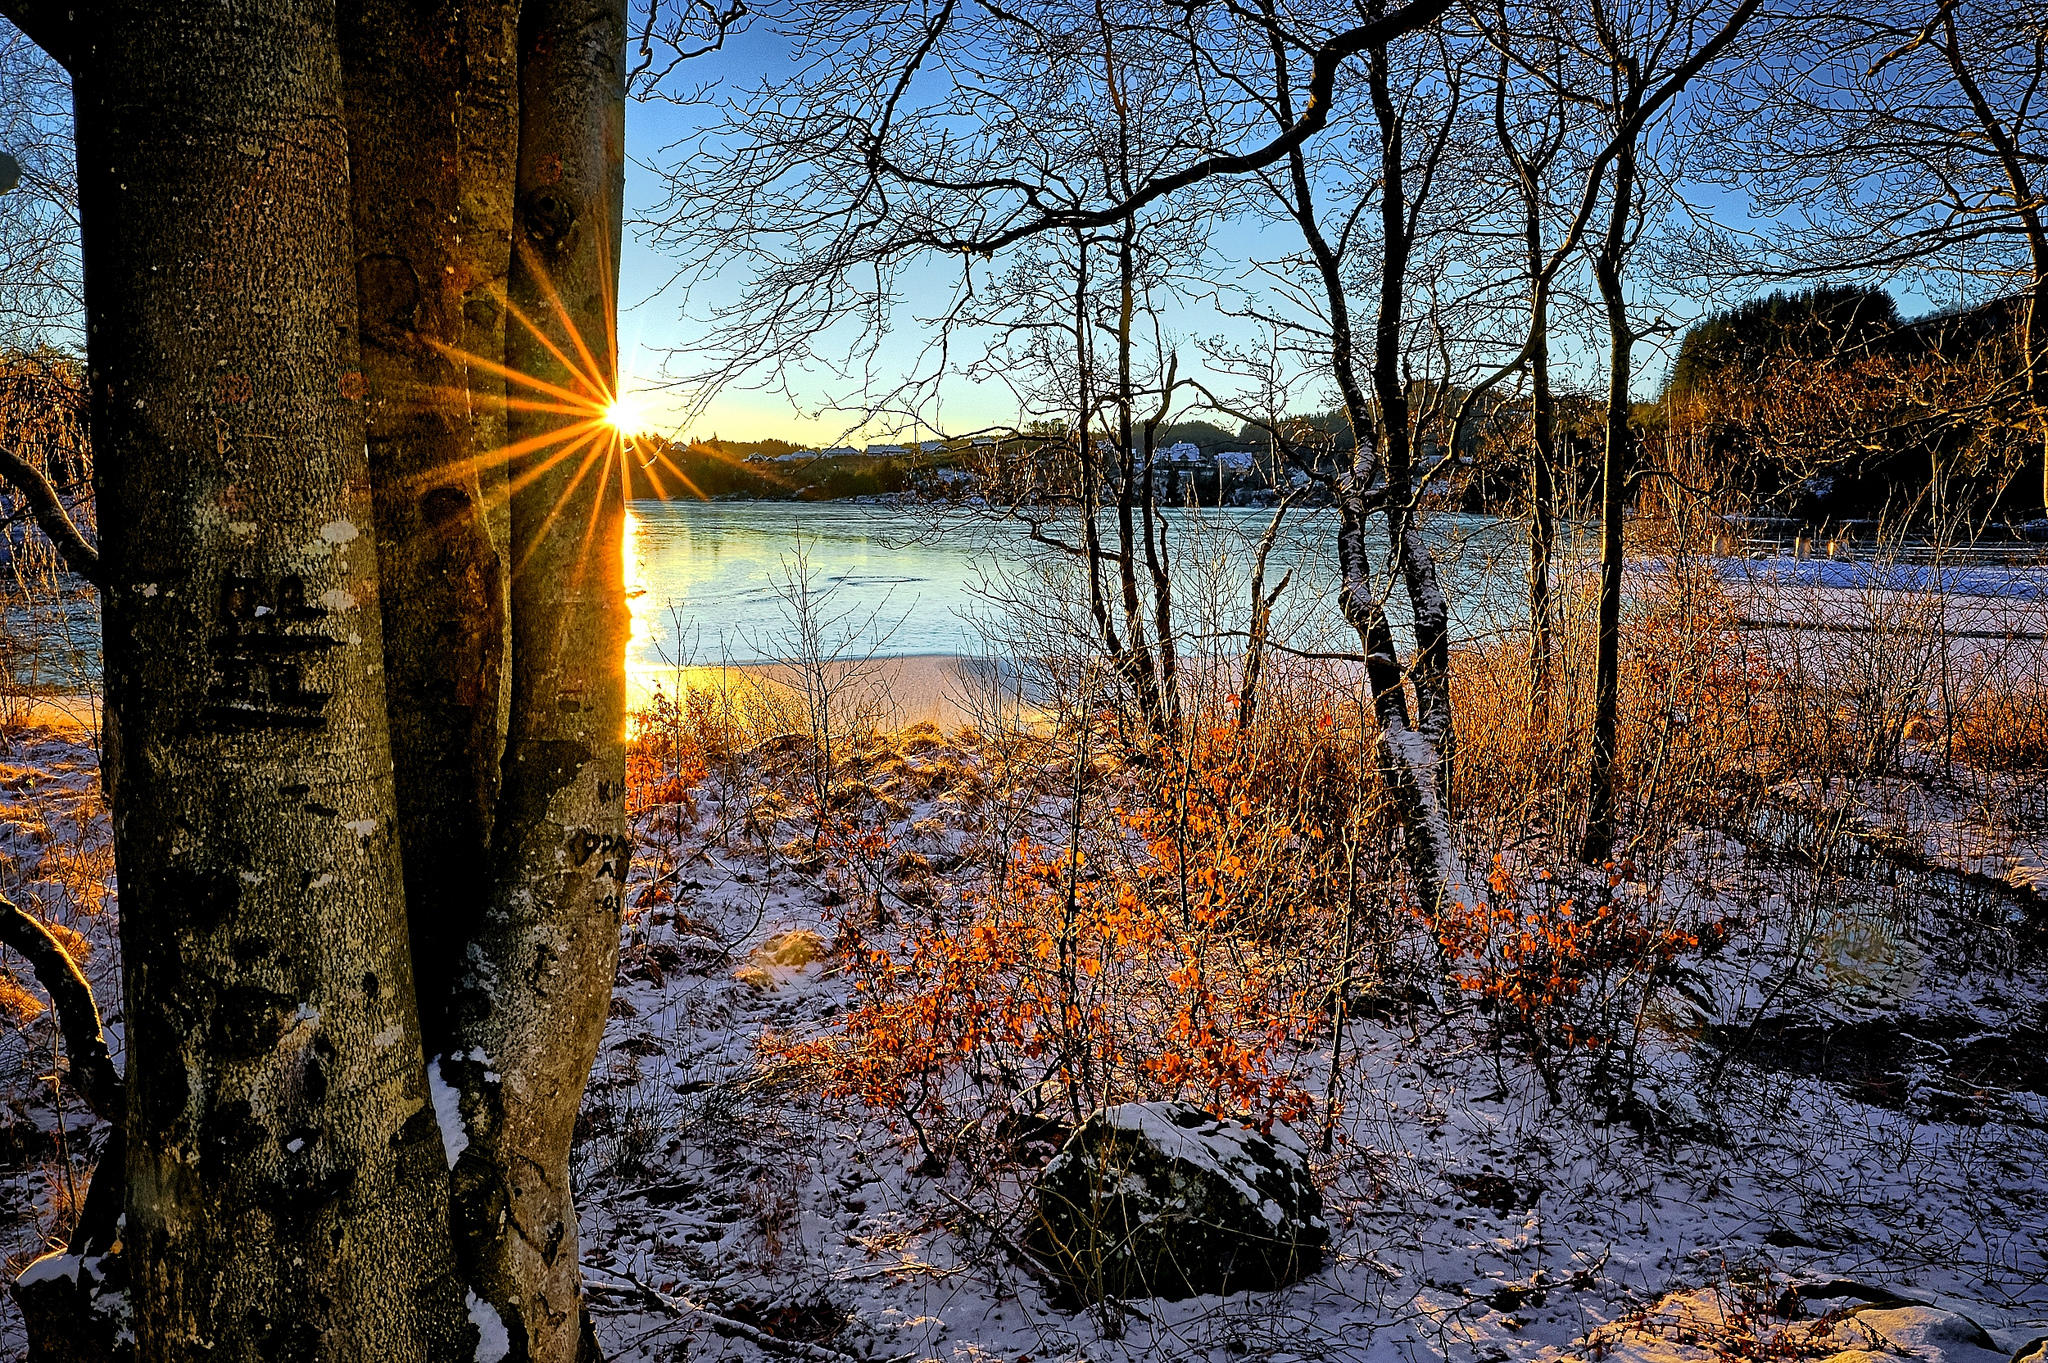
column 950, row 690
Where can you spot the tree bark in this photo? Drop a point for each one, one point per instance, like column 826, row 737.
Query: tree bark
column 533, row 1002
column 433, row 130
column 1429, row 608
column 286, row 1199
column 1601, row 823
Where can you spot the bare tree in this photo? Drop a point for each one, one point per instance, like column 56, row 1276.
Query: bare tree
column 1644, row 56
column 1405, row 145
column 1898, row 138
column 40, row 296
column 955, row 132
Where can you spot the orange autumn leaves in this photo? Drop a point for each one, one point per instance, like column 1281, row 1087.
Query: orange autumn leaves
column 1154, row 957
column 1551, row 967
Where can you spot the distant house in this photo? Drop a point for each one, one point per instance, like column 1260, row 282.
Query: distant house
column 1184, row 454
column 839, row 452
column 1241, row 460
column 796, row 457
column 887, row 451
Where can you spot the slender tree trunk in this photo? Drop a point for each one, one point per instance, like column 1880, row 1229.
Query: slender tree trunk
column 1542, row 506
column 286, row 1196
column 532, row 1004
column 1601, row 823
column 433, row 128
column 2027, row 205
column 1135, row 498
column 1409, row 760
column 1430, row 609
column 1542, row 267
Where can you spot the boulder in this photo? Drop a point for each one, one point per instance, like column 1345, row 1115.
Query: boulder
column 780, row 958
column 75, row 1309
column 1913, row 1330
column 1165, row 1200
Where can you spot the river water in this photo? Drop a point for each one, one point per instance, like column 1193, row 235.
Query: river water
column 712, row 581
column 709, row 584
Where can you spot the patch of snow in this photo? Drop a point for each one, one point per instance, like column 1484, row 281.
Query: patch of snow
column 49, row 1268
column 492, row 1341
column 1217, row 1148
column 447, row 1111
column 2021, row 584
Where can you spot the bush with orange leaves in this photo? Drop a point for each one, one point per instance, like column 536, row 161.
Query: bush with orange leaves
column 1563, row 974
column 1173, row 943
column 667, row 757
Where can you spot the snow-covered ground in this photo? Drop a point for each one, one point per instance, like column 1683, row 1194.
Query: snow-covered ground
column 1858, row 1093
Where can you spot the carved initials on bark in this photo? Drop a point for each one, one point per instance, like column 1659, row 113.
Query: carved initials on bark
column 268, row 635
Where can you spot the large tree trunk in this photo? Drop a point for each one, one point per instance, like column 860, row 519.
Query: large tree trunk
column 286, row 1196
column 533, row 1004
column 433, row 128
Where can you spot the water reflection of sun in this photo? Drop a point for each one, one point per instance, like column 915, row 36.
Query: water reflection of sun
column 642, row 662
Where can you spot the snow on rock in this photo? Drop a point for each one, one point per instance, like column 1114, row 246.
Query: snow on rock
column 49, row 1268
column 1916, row 1331
column 780, row 957
column 76, row 1308
column 1163, row 1200
column 1705, row 1325
column 493, row 1343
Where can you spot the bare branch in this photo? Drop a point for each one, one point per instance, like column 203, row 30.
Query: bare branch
column 48, row 509
column 92, row 1066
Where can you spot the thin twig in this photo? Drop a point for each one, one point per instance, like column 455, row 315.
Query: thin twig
column 680, row 1307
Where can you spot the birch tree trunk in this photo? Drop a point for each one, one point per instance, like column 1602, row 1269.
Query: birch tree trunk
column 286, row 1196
column 1430, row 609
column 1410, row 762
column 533, row 1001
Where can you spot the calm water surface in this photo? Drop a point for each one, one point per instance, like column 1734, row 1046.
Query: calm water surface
column 708, row 577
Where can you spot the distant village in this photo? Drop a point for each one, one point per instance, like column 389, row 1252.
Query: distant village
column 1204, row 465
column 1192, row 463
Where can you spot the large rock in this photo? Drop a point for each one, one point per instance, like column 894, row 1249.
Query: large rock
column 1164, row 1200
column 1912, row 1330
column 75, row 1309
